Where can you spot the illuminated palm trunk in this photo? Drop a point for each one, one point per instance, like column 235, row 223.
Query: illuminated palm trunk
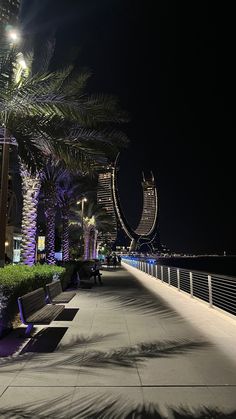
column 50, row 215
column 87, row 240
column 95, row 238
column 30, row 189
column 65, row 236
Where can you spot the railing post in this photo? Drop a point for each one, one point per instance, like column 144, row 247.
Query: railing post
column 210, row 290
column 161, row 273
column 168, row 275
column 178, row 279
column 191, row 283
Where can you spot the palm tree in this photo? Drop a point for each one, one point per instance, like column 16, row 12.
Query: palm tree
column 49, row 178
column 95, row 221
column 51, row 113
column 71, row 188
column 30, row 189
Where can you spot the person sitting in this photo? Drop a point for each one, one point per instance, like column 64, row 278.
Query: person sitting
column 95, row 273
column 114, row 260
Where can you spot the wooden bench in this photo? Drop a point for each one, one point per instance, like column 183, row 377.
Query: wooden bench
column 56, row 295
column 34, row 310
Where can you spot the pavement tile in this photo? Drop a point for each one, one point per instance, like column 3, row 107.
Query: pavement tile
column 108, row 402
column 2, row 389
column 193, row 399
column 35, row 402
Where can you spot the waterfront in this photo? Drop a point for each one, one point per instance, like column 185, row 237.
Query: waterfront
column 222, row 265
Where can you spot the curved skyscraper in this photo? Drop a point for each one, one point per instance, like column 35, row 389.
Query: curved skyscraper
column 108, row 198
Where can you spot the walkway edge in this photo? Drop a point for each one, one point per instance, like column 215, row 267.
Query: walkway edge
column 215, row 325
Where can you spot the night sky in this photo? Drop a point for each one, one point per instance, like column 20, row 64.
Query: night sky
column 172, row 68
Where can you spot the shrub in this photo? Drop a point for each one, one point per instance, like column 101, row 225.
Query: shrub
column 17, row 280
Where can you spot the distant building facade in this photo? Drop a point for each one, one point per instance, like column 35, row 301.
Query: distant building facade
column 149, row 214
column 105, row 200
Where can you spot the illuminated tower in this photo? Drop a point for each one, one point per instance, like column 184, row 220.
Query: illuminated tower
column 105, row 199
column 149, row 215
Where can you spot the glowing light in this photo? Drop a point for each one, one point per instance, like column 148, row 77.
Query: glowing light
column 6, row 243
column 22, row 63
column 81, row 200
column 14, row 35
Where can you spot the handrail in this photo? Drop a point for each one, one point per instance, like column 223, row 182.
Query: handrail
column 197, row 284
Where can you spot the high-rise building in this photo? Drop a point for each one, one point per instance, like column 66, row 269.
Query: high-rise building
column 105, row 200
column 149, row 215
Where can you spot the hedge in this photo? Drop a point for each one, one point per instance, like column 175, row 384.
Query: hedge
column 17, row 280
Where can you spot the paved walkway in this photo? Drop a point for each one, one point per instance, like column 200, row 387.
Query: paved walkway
column 127, row 353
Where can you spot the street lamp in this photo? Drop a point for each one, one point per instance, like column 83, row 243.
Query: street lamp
column 82, row 201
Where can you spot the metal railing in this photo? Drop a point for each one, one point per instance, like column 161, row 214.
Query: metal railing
column 217, row 290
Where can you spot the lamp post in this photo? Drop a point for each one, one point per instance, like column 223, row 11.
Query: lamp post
column 82, row 201
column 5, row 140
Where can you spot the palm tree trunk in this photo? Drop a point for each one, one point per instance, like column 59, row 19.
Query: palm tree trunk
column 65, row 237
column 86, row 242
column 95, row 237
column 50, row 215
column 91, row 243
column 30, row 188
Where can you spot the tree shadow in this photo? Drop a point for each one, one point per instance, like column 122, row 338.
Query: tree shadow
column 39, row 345
column 138, row 300
column 83, row 340
column 129, row 357
column 107, row 406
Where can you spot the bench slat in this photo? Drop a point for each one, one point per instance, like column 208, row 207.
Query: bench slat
column 56, row 295
column 32, row 302
column 54, row 288
column 64, row 297
column 45, row 315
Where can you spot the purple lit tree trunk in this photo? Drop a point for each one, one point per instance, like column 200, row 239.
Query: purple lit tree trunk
column 50, row 215
column 95, row 238
column 91, row 243
column 87, row 236
column 30, row 188
column 65, row 236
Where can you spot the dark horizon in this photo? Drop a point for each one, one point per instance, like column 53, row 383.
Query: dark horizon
column 172, row 71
